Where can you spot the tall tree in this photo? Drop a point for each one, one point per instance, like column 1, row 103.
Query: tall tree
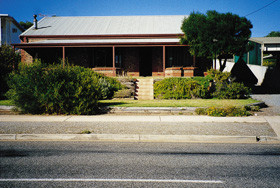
column 25, row 25
column 274, row 34
column 216, row 34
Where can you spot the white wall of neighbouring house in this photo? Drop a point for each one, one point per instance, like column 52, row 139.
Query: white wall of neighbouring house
column 259, row 71
column 9, row 31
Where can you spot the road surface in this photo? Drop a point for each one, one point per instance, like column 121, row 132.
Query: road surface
column 101, row 164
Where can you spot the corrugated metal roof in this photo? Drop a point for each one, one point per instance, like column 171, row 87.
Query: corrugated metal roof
column 107, row 25
column 109, row 41
column 266, row 40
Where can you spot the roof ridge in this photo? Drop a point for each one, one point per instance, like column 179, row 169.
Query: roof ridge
column 114, row 16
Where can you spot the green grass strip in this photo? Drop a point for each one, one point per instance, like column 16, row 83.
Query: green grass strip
column 6, row 103
column 176, row 103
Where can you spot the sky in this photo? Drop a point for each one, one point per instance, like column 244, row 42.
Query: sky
column 264, row 21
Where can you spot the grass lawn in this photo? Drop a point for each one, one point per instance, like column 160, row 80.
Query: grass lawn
column 6, row 103
column 176, row 103
column 166, row 103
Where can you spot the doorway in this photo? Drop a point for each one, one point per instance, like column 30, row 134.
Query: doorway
column 145, row 64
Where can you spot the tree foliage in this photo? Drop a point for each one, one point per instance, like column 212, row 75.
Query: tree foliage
column 25, row 25
column 220, row 34
column 274, row 34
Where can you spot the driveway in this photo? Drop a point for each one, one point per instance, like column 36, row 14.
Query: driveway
column 272, row 100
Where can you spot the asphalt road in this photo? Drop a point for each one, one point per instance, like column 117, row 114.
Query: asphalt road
column 98, row 164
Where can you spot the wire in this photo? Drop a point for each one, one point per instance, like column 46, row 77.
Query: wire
column 261, row 8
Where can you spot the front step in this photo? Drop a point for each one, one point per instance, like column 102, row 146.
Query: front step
column 144, row 89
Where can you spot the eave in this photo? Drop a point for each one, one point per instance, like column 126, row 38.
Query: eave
column 103, row 36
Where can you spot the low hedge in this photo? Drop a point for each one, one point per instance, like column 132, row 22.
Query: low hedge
column 215, row 85
column 52, row 89
column 181, row 88
column 232, row 90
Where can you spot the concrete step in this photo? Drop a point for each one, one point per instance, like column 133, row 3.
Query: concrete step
column 145, row 84
column 144, row 89
column 144, row 95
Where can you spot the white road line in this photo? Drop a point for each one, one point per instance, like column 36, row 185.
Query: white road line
column 112, row 180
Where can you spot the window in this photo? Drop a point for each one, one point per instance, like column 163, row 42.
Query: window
column 178, row 57
column 14, row 30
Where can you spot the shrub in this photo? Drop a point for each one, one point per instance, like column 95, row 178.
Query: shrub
column 201, row 111
column 86, row 132
column 181, row 88
column 232, row 90
column 269, row 62
column 223, row 111
column 108, row 86
column 128, row 88
column 205, row 86
column 124, row 93
column 8, row 62
column 252, row 108
column 52, row 89
column 226, row 88
column 218, row 76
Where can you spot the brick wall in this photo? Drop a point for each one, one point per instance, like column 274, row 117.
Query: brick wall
column 189, row 71
column 173, row 72
column 27, row 55
column 180, row 72
column 107, row 71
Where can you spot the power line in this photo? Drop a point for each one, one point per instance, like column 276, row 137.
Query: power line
column 261, row 8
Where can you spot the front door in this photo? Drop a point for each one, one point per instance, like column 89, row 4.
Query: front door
column 145, row 64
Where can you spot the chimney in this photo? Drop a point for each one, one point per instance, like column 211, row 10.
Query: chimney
column 35, row 21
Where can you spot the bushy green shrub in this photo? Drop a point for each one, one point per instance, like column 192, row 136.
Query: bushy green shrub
column 232, row 90
column 205, row 86
column 252, row 108
column 181, row 88
column 223, row 111
column 38, row 88
column 218, row 76
column 269, row 62
column 225, row 88
column 124, row 93
column 201, row 111
column 216, row 84
column 108, row 86
column 9, row 60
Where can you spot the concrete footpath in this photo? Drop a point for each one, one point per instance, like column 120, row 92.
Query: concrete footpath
column 152, row 128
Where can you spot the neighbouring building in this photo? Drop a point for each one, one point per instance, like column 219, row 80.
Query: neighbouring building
column 254, row 58
column 113, row 45
column 267, row 45
column 10, row 30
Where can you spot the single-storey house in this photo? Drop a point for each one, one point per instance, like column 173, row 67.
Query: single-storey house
column 113, row 45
